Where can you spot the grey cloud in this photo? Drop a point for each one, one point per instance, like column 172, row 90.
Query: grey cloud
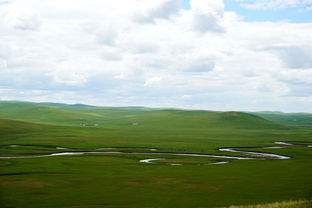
column 163, row 11
column 17, row 79
column 294, row 56
column 300, row 91
column 3, row 2
column 207, row 15
column 203, row 65
column 141, row 47
column 111, row 56
column 107, row 36
column 207, row 22
column 104, row 32
column 3, row 64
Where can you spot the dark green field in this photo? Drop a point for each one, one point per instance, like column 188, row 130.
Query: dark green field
column 96, row 181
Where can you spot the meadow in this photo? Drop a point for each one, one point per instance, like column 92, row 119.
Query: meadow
column 111, row 181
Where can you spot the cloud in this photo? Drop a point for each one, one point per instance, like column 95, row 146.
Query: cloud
column 3, row 65
column 186, row 97
column 107, row 37
column 205, row 57
column 158, row 9
column 294, row 56
column 154, row 81
column 4, row 2
column 73, row 79
column 23, row 19
column 141, row 47
column 111, row 54
column 201, row 65
column 207, row 15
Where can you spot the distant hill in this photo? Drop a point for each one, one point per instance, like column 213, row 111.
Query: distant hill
column 46, row 112
column 206, row 119
column 67, row 105
column 78, row 105
column 47, row 104
column 63, row 114
column 292, row 119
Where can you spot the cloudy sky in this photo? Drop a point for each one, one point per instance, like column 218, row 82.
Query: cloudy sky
column 201, row 54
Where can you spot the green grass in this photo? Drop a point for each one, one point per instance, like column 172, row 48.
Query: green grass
column 121, row 181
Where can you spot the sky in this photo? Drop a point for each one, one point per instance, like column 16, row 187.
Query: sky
column 243, row 55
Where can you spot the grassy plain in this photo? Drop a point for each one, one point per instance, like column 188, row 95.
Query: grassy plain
column 92, row 181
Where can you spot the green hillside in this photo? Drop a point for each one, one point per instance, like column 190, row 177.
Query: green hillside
column 101, row 116
column 8, row 126
column 201, row 119
column 45, row 113
column 292, row 119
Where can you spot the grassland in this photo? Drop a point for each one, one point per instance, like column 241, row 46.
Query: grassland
column 90, row 181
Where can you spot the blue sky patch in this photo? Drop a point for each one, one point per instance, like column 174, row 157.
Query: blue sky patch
column 297, row 14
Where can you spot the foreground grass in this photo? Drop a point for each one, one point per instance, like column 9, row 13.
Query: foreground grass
column 284, row 204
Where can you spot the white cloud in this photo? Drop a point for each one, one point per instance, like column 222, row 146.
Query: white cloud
column 153, row 82
column 186, row 97
column 97, row 52
column 73, row 79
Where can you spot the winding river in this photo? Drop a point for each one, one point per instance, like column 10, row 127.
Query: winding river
column 152, row 152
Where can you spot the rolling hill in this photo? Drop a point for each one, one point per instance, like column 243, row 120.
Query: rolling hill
column 82, row 115
column 292, row 119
